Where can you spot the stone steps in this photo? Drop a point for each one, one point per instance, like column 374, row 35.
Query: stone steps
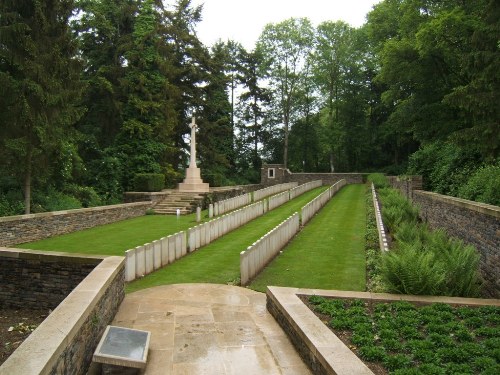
column 185, row 202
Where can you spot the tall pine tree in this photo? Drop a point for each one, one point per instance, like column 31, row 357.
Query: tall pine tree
column 39, row 83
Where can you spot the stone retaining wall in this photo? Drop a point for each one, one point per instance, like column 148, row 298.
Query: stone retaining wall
column 318, row 346
column 27, row 228
column 477, row 224
column 66, row 340
column 272, row 174
column 327, row 178
column 45, row 280
column 406, row 185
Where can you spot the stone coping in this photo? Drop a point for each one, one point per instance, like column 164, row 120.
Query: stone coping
column 487, row 209
column 75, row 211
column 50, row 256
column 324, row 347
column 330, row 174
column 41, row 350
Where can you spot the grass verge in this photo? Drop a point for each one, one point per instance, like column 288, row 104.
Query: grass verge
column 219, row 262
column 328, row 253
column 116, row 238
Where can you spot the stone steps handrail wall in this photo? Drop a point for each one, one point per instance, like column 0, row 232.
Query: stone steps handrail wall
column 271, row 190
column 311, row 208
column 382, row 238
column 33, row 227
column 259, row 254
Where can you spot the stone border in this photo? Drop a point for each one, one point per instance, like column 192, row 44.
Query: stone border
column 382, row 238
column 33, row 227
column 64, row 342
column 318, row 346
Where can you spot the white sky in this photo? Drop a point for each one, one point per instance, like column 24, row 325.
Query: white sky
column 244, row 20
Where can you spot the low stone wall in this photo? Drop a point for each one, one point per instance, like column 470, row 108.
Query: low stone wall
column 406, row 184
column 474, row 223
column 327, row 178
column 45, row 280
column 27, row 228
column 144, row 196
column 318, row 346
column 66, row 340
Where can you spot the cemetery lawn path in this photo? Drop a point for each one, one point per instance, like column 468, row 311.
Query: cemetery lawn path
column 329, row 252
column 116, row 238
column 219, row 262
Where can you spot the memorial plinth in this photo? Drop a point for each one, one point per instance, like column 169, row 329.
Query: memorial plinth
column 122, row 351
column 193, row 182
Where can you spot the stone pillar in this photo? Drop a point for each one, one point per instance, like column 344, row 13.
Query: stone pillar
column 210, row 210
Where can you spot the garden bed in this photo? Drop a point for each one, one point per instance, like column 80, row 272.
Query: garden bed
column 327, row 353
column 15, row 327
column 405, row 338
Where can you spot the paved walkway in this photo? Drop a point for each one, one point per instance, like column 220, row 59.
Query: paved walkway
column 209, row 329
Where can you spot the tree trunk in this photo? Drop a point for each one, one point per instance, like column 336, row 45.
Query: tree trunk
column 285, row 148
column 27, row 183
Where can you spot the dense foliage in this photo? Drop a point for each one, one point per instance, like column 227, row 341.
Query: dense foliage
column 421, row 261
column 94, row 92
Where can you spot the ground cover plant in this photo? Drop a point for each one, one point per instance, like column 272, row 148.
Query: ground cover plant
column 328, row 253
column 401, row 338
column 219, row 262
column 116, row 238
column 421, row 261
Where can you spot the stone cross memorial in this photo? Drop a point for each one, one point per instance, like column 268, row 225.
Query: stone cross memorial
column 193, row 181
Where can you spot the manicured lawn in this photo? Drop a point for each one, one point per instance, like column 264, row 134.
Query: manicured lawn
column 116, row 238
column 219, row 262
column 329, row 253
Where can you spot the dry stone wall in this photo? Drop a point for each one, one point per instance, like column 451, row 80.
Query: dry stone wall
column 66, row 340
column 474, row 223
column 27, row 228
column 37, row 280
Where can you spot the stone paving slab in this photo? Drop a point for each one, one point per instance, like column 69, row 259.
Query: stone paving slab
column 209, row 329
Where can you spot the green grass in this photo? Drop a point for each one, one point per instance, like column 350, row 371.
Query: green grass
column 116, row 238
column 329, row 253
column 219, row 262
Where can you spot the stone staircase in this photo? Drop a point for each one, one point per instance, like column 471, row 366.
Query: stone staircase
column 186, row 202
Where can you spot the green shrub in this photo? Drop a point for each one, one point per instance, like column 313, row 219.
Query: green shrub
column 53, row 200
column 409, row 270
column 10, row 207
column 483, row 186
column 378, row 180
column 149, row 182
column 85, row 194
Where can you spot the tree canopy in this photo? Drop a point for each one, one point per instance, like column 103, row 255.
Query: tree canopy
column 94, row 92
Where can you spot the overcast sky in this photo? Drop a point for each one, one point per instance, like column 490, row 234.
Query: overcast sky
column 244, row 20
